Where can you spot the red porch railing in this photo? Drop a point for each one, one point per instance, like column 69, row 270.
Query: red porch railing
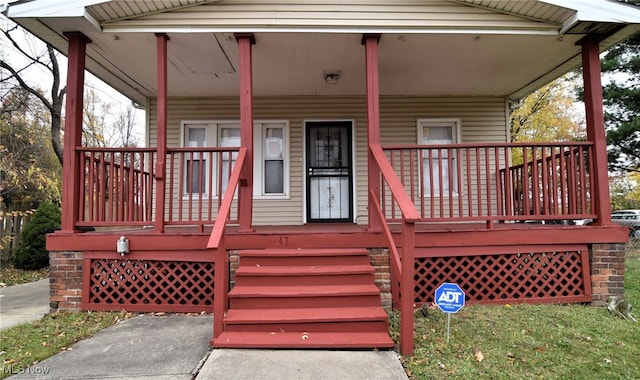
column 120, row 187
column 402, row 262
column 117, row 184
column 196, row 177
column 473, row 182
column 216, row 242
column 477, row 182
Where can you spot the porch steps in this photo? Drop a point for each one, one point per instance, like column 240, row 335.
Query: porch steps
column 304, row 298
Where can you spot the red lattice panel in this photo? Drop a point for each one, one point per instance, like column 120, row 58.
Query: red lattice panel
column 144, row 285
column 506, row 278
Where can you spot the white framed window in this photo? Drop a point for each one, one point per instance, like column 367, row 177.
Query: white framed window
column 228, row 136
column 439, row 167
column 271, row 148
column 195, row 176
column 271, row 158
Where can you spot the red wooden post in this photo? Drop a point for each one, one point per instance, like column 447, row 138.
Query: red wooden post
column 73, row 130
column 220, row 288
column 406, row 288
column 245, row 192
column 370, row 42
column 595, row 127
column 161, row 145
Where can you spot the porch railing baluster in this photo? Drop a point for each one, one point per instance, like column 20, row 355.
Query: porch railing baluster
column 547, row 182
column 118, row 186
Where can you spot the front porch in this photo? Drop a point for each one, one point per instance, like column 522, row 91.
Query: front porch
column 431, row 213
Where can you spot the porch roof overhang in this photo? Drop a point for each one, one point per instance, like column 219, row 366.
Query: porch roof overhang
column 431, row 48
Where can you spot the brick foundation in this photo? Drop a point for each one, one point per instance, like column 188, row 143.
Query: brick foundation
column 607, row 271
column 234, row 264
column 65, row 278
column 380, row 261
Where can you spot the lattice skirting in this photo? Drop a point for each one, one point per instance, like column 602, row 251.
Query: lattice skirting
column 148, row 285
column 536, row 277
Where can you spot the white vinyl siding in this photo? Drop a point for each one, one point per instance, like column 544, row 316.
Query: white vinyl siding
column 481, row 120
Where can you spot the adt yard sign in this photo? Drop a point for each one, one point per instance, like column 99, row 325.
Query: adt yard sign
column 449, row 297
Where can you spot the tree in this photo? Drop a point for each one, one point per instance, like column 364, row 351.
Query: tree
column 95, row 132
column 622, row 103
column 125, row 126
column 101, row 127
column 625, row 191
column 41, row 56
column 32, row 252
column 548, row 114
column 29, row 170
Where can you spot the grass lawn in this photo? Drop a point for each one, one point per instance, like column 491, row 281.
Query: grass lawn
column 12, row 276
column 529, row 341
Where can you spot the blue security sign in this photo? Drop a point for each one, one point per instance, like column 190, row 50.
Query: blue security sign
column 449, row 297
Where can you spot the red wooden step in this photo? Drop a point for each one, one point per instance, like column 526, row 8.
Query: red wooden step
column 303, row 291
column 301, row 315
column 253, row 297
column 303, row 252
column 344, row 326
column 259, row 339
column 304, row 275
column 301, row 302
column 347, row 319
column 328, row 256
column 311, row 270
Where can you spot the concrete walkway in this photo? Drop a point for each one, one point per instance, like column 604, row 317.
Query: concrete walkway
column 23, row 303
column 177, row 347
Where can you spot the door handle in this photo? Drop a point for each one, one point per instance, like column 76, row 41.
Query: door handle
column 310, row 171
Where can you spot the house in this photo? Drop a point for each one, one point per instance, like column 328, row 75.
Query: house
column 309, row 163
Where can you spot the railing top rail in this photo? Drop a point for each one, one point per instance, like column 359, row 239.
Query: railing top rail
column 407, row 207
column 110, row 149
column 487, row 145
column 225, row 208
column 204, row 149
column 176, row 149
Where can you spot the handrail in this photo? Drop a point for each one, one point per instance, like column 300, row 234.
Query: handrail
column 408, row 209
column 396, row 263
column 225, row 207
column 402, row 263
column 216, row 242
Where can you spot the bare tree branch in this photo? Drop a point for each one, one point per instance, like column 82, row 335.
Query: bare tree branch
column 53, row 105
column 15, row 74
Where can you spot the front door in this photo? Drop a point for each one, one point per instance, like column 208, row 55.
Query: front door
column 329, row 171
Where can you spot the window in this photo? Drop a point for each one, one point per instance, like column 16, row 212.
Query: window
column 271, row 161
column 196, row 164
column 439, row 171
column 229, row 137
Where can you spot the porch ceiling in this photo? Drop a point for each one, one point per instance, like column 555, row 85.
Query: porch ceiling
column 206, row 64
column 508, row 61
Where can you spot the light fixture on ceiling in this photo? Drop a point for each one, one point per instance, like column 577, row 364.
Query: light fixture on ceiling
column 331, row 77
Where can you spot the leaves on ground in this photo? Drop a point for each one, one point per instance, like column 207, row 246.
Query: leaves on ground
column 12, row 276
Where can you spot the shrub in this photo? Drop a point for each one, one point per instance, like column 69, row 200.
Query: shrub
column 32, row 253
